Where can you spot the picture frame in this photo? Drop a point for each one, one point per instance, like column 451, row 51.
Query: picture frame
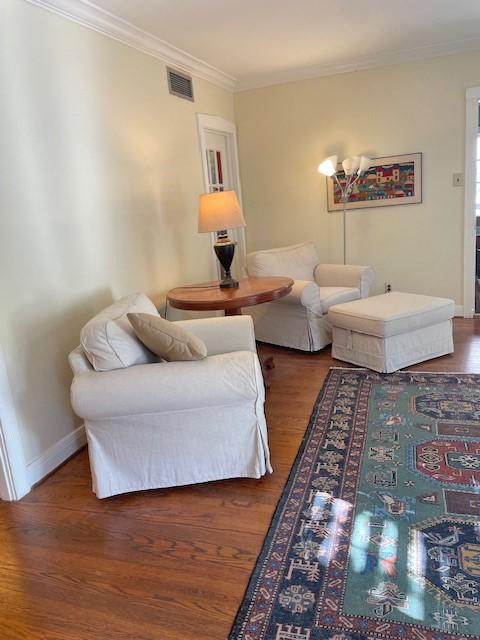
column 390, row 181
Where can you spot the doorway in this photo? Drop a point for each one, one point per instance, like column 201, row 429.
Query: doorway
column 218, row 147
column 471, row 245
column 477, row 214
column 14, row 481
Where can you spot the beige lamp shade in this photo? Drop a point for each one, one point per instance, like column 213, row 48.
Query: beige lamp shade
column 219, row 210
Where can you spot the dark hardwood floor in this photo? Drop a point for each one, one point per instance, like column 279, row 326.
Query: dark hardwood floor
column 159, row 565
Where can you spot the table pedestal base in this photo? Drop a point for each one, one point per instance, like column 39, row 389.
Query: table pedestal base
column 267, row 363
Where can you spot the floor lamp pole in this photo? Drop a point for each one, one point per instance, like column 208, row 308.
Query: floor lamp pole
column 353, row 169
column 346, row 191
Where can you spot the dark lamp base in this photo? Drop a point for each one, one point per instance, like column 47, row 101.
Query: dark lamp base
column 225, row 250
column 229, row 283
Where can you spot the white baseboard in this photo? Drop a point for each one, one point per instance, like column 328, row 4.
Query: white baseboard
column 459, row 310
column 55, row 455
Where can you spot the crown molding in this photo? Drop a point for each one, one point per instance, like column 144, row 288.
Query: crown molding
column 358, row 64
column 89, row 15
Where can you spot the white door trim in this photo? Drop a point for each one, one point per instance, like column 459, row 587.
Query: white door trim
column 469, row 233
column 216, row 124
column 14, row 481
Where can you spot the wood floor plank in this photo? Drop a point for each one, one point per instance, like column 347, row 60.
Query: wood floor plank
column 160, row 565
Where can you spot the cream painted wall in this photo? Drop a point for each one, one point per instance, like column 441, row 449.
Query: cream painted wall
column 284, row 132
column 100, row 171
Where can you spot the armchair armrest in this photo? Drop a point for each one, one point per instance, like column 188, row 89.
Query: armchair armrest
column 305, row 293
column 345, row 275
column 78, row 361
column 163, row 387
column 223, row 335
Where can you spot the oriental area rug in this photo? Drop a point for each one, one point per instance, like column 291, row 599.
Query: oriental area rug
column 377, row 532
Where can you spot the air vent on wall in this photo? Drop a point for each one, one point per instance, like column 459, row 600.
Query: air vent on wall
column 180, row 84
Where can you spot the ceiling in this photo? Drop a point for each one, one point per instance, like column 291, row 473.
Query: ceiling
column 260, row 42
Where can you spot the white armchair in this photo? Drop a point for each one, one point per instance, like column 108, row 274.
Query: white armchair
column 299, row 320
column 164, row 424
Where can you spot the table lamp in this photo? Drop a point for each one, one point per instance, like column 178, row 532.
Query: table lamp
column 219, row 211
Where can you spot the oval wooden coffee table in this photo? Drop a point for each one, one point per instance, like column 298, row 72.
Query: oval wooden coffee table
column 209, row 296
column 251, row 291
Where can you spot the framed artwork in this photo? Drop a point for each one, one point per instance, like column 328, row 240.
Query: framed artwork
column 389, row 181
column 215, row 170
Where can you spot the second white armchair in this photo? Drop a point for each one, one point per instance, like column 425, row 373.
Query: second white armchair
column 299, row 320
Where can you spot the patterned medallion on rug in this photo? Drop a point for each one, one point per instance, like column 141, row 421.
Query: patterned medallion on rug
column 377, row 532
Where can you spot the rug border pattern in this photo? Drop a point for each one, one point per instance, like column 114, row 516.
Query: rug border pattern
column 251, row 590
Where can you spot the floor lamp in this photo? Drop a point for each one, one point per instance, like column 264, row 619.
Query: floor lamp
column 353, row 168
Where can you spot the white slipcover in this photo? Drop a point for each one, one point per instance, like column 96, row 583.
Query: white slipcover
column 393, row 313
column 109, row 341
column 299, row 320
column 167, row 424
column 392, row 331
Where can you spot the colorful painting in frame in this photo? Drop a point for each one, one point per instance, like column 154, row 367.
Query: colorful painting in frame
column 389, row 181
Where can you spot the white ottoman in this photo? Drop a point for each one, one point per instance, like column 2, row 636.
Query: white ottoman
column 391, row 331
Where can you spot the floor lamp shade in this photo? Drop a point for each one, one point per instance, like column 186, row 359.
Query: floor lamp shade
column 219, row 211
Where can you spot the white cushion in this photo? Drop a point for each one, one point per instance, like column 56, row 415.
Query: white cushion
column 297, row 261
column 391, row 313
column 305, row 294
column 330, row 296
column 318, row 299
column 108, row 339
column 223, row 334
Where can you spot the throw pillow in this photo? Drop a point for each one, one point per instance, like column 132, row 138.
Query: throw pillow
column 165, row 339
